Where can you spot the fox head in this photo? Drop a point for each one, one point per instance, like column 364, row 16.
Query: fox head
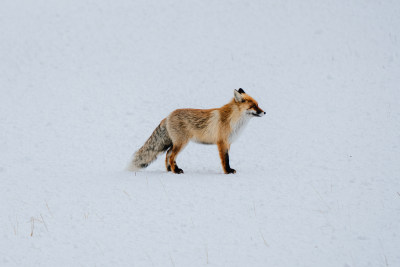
column 247, row 104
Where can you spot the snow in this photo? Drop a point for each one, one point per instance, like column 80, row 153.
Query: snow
column 84, row 83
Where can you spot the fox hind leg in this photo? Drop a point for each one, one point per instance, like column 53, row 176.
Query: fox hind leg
column 176, row 148
column 167, row 165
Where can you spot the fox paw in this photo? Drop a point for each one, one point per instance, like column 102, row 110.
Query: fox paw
column 177, row 170
column 230, row 171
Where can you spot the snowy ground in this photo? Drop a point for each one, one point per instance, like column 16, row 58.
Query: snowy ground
column 84, row 83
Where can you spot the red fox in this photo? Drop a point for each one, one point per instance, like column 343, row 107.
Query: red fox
column 219, row 126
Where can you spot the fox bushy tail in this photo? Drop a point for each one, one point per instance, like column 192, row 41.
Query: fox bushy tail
column 158, row 142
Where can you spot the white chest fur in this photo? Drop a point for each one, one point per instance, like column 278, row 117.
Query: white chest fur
column 237, row 127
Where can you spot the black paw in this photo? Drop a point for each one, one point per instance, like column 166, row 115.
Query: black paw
column 168, row 168
column 230, row 171
column 178, row 171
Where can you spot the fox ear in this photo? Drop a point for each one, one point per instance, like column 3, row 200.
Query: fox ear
column 238, row 96
column 241, row 91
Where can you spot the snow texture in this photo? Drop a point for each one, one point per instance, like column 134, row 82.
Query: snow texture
column 84, row 83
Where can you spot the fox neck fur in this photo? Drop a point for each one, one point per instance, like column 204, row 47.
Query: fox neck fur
column 238, row 126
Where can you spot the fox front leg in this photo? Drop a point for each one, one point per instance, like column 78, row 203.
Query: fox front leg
column 223, row 149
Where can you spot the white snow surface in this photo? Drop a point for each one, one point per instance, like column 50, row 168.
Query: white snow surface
column 84, row 83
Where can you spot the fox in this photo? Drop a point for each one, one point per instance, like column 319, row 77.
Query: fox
column 220, row 126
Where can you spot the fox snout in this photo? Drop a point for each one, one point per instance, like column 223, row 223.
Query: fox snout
column 260, row 112
column 257, row 112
